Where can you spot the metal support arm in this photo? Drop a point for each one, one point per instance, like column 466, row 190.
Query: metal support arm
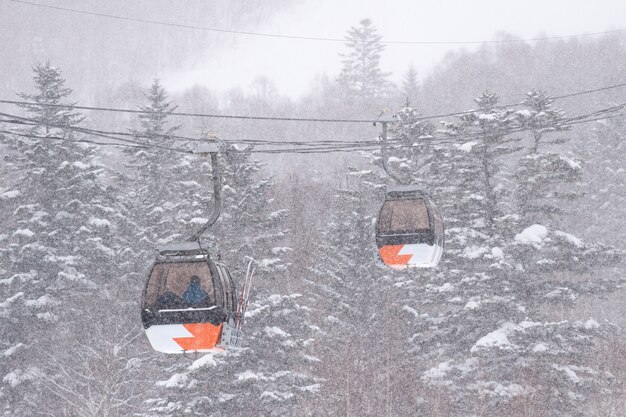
column 383, row 154
column 217, row 198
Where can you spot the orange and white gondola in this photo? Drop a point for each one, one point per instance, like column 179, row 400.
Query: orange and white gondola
column 189, row 302
column 409, row 229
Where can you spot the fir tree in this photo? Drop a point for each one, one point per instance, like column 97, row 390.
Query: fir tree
column 271, row 375
column 155, row 119
column 481, row 335
column 603, row 179
column 361, row 75
column 51, row 92
column 410, row 87
column 542, row 175
column 65, row 258
column 164, row 186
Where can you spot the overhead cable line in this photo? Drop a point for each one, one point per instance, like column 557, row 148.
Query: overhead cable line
column 256, row 142
column 458, row 140
column 289, row 119
column 300, row 37
column 78, row 129
column 84, row 141
column 318, row 146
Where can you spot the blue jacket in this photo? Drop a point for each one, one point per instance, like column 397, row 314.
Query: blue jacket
column 195, row 294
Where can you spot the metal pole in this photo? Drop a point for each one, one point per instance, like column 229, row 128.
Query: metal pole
column 383, row 155
column 217, row 198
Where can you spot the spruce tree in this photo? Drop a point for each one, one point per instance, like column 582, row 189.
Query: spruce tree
column 65, row 262
column 271, row 375
column 478, row 335
column 164, row 185
column 410, row 88
column 361, row 75
column 50, row 93
column 483, row 320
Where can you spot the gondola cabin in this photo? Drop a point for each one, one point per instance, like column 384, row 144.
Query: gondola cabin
column 409, row 230
column 189, row 302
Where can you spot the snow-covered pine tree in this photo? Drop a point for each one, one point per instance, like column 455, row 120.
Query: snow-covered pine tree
column 548, row 187
column 605, row 169
column 484, row 336
column 63, row 258
column 541, row 174
column 164, row 185
column 410, row 157
column 361, row 75
column 155, row 121
column 364, row 366
column 271, row 375
column 481, row 335
column 50, row 92
column 410, row 88
column 250, row 225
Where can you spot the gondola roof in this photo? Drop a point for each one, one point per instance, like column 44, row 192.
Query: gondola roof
column 412, row 190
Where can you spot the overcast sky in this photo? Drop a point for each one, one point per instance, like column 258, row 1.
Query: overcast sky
column 99, row 53
column 292, row 64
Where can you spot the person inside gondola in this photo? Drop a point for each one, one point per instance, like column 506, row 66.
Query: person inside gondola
column 168, row 300
column 195, row 295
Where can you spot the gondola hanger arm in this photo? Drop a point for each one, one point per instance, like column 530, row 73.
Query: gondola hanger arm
column 211, row 148
column 384, row 120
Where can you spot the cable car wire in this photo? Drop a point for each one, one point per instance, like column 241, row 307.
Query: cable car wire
column 288, row 119
column 307, row 38
column 305, row 147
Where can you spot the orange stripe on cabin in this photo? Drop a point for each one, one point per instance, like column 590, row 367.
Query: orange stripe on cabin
column 205, row 336
column 389, row 255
